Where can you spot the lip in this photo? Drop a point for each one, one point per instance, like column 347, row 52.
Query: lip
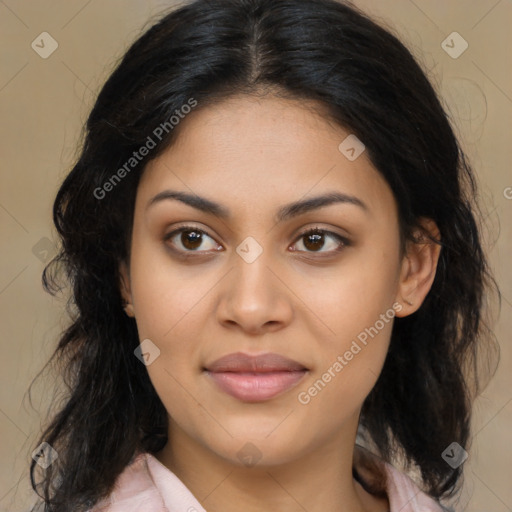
column 255, row 378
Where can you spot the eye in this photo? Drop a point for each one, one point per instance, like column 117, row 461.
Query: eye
column 190, row 239
column 317, row 239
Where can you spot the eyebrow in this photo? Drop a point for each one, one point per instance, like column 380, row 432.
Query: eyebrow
column 286, row 212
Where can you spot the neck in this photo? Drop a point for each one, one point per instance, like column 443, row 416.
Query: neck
column 319, row 480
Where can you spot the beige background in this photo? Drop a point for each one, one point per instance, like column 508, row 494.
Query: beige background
column 43, row 103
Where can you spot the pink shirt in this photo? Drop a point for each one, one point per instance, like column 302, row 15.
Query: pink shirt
column 146, row 485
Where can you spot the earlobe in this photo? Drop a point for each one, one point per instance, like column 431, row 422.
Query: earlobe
column 125, row 289
column 419, row 267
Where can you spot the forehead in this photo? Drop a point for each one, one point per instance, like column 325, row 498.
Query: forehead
column 247, row 152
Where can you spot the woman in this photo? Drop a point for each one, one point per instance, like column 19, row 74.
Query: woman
column 273, row 247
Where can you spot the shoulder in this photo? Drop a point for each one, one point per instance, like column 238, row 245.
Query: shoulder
column 134, row 490
column 383, row 479
column 405, row 495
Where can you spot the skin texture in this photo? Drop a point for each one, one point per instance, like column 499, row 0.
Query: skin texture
column 306, row 302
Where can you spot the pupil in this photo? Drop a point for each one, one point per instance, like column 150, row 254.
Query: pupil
column 191, row 239
column 314, row 240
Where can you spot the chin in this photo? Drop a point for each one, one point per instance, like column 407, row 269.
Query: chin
column 259, row 450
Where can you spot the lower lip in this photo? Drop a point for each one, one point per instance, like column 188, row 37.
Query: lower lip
column 256, row 387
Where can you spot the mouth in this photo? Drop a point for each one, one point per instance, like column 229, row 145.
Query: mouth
column 255, row 378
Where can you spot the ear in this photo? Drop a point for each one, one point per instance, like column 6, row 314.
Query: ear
column 419, row 266
column 125, row 288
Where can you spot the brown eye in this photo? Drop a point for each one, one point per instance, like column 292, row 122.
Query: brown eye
column 190, row 239
column 316, row 239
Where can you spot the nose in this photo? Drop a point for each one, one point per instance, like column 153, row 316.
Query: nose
column 253, row 297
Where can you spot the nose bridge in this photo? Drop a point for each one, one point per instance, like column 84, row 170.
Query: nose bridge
column 252, row 260
column 252, row 296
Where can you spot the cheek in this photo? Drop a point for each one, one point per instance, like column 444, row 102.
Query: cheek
column 354, row 296
column 356, row 309
column 166, row 292
column 349, row 366
column 170, row 304
column 173, row 318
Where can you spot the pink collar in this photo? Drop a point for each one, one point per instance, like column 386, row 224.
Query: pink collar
column 146, row 484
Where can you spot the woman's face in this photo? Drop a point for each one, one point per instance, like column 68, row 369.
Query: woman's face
column 245, row 279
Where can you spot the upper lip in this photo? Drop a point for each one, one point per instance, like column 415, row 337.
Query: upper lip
column 240, row 362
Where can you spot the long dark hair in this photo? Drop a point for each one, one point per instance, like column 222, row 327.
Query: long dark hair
column 369, row 83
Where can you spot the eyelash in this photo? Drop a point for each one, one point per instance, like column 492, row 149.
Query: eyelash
column 343, row 241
